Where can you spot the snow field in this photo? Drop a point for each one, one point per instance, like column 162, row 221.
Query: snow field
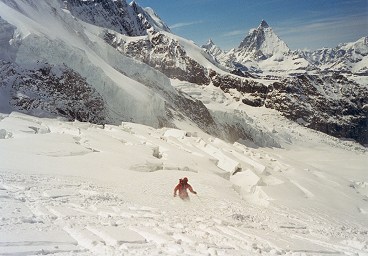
column 71, row 188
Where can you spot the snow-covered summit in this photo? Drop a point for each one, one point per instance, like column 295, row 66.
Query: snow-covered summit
column 212, row 48
column 262, row 43
column 263, row 24
column 262, row 51
column 149, row 17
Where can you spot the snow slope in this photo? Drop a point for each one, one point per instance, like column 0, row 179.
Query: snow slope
column 70, row 188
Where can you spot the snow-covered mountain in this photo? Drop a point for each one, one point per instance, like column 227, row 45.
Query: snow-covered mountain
column 45, row 33
column 149, row 18
column 347, row 58
column 126, row 54
column 306, row 81
column 262, row 43
column 128, row 19
column 262, row 51
column 213, row 49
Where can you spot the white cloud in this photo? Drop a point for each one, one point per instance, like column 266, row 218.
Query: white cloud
column 235, row 33
column 185, row 24
column 332, row 30
column 323, row 24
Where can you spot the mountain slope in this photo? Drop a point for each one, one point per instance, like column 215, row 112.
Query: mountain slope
column 310, row 86
column 131, row 90
column 131, row 20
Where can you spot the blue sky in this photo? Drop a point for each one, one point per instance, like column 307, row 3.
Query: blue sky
column 301, row 24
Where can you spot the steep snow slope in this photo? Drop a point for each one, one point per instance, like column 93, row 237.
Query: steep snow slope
column 57, row 38
column 45, row 33
column 149, row 18
column 71, row 188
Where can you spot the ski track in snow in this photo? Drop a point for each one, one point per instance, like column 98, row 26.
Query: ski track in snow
column 63, row 216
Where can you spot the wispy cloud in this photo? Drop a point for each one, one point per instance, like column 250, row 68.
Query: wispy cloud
column 185, row 24
column 330, row 23
column 234, row 33
column 323, row 29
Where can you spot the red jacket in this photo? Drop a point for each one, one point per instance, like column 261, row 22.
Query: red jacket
column 182, row 187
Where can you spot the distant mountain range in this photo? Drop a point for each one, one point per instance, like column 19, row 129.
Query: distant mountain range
column 262, row 51
column 121, row 57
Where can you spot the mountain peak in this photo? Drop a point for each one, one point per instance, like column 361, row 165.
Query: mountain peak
column 210, row 42
column 263, row 43
column 212, row 48
column 263, row 24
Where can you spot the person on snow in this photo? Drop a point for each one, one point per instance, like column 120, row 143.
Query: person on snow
column 182, row 187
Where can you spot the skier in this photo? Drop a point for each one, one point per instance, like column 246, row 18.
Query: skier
column 182, row 187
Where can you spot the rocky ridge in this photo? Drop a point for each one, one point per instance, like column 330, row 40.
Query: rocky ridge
column 331, row 104
column 162, row 53
column 127, row 19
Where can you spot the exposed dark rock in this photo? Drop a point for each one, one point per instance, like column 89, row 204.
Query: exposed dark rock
column 113, row 15
column 49, row 90
column 241, row 73
column 332, row 104
column 254, row 102
column 226, row 82
column 164, row 54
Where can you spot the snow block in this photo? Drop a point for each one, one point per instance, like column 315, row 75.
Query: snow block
column 224, row 162
column 179, row 134
column 4, row 134
column 246, row 180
